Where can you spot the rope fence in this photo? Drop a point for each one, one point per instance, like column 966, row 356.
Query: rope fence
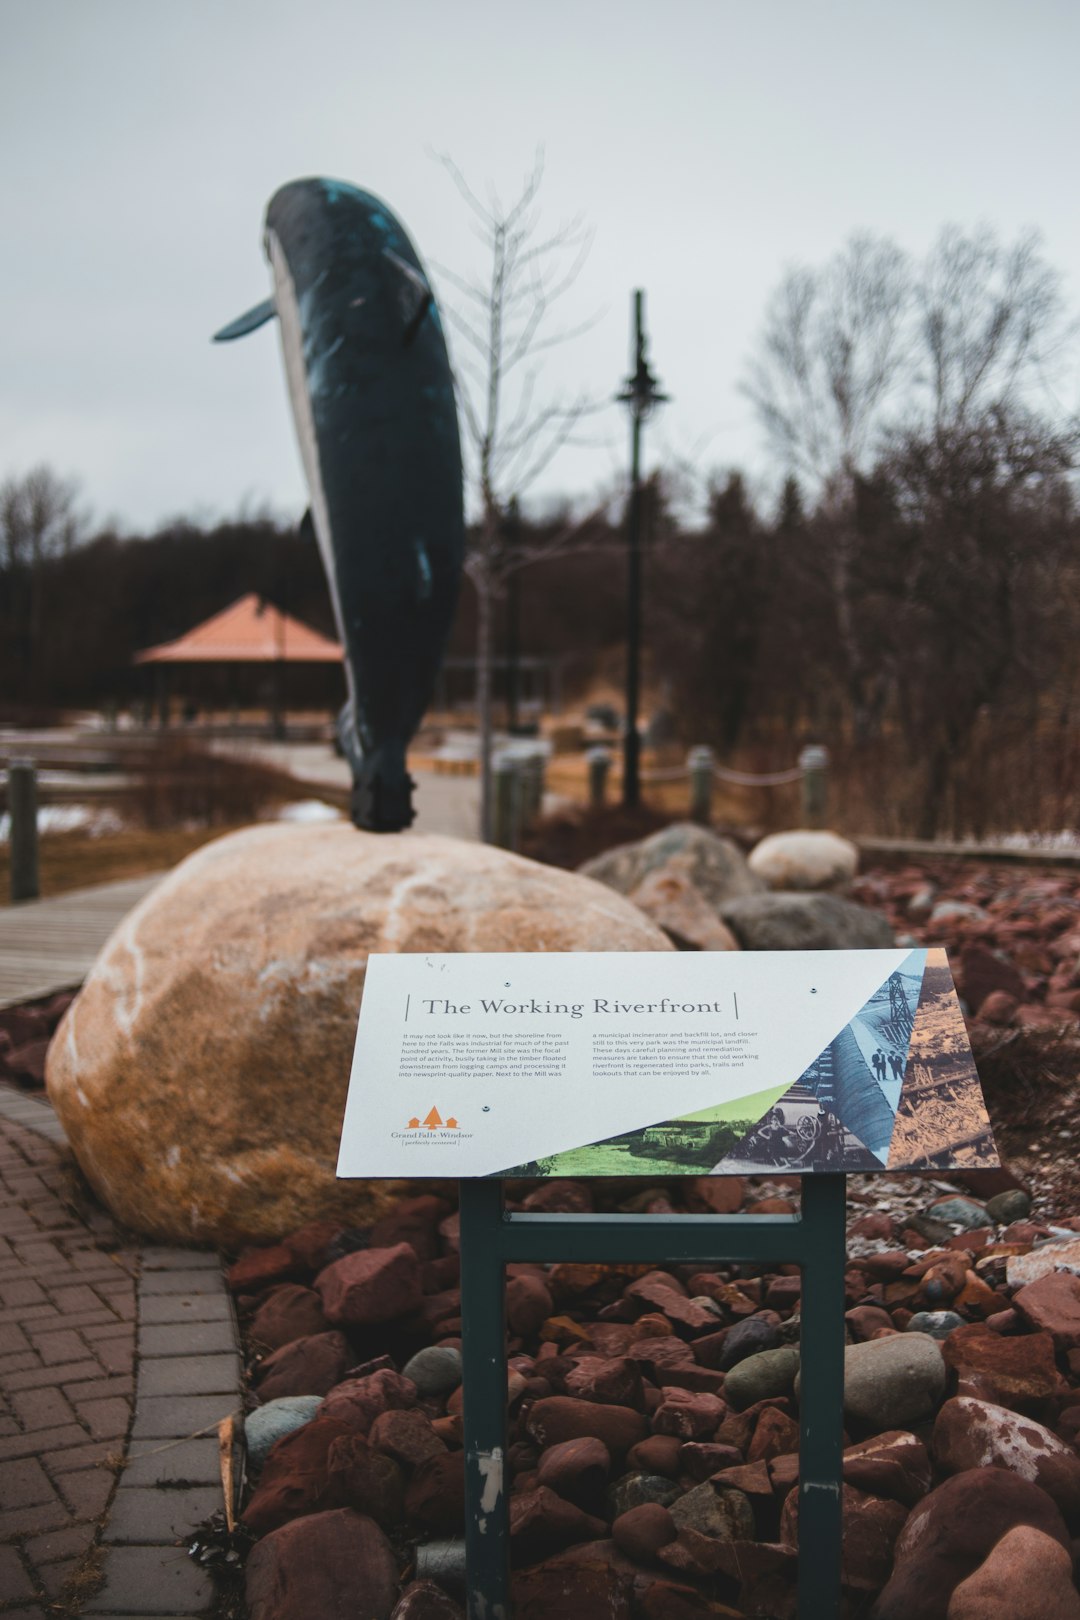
column 683, row 773
column 519, row 785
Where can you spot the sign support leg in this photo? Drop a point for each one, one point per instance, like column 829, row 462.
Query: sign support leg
column 821, row 1398
column 483, row 1335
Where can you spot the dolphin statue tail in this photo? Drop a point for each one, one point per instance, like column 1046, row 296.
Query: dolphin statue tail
column 381, row 798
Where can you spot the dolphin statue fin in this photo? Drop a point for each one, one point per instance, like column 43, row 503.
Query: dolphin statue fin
column 415, row 297
column 250, row 321
column 306, row 528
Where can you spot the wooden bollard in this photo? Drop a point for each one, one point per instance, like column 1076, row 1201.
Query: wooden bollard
column 599, row 762
column 699, row 762
column 22, row 814
column 532, row 788
column 814, row 764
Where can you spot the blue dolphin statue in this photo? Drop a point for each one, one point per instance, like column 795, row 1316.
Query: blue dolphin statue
column 373, row 403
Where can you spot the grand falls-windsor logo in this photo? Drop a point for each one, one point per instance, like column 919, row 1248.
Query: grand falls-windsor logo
column 433, row 1128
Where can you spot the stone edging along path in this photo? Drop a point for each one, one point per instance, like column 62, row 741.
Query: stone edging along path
column 186, row 1379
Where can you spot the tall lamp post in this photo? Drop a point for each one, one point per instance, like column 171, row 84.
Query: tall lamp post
column 511, row 536
column 640, row 394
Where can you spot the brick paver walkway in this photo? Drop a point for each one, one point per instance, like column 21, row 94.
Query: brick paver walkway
column 107, row 1353
column 67, row 1348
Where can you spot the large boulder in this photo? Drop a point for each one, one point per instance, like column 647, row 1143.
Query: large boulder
column 805, row 922
column 201, row 1072
column 970, row 1433
column 949, row 1534
column 713, row 866
column 330, row 1565
column 804, row 860
column 1026, row 1577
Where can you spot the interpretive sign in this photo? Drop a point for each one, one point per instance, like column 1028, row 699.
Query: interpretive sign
column 662, row 1063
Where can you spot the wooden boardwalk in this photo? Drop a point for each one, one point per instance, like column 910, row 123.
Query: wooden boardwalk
column 49, row 945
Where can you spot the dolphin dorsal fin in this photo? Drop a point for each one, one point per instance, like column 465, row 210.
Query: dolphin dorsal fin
column 415, row 297
column 248, row 322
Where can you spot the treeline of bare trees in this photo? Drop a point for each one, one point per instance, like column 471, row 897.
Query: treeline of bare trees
column 948, row 689
column 76, row 604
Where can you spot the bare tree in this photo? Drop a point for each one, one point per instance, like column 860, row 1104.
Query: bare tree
column 831, row 352
column 38, row 517
column 869, row 346
column 38, row 521
column 991, row 325
column 501, row 322
column 869, row 353
column 834, row 349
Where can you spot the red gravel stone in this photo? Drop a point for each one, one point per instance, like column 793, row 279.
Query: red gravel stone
column 287, row 1312
column 295, row 1476
column 577, row 1469
column 642, row 1531
column 688, row 1415
column 560, row 1417
column 1053, row 1304
column 1021, row 1368
column 615, row 1382
column 258, row 1268
column 358, row 1401
column 362, row 1478
column 435, row 1497
column 309, row 1366
column 407, row 1437
column 371, row 1285
column 541, row 1522
column 528, row 1304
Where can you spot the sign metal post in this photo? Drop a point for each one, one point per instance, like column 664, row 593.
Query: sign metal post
column 491, row 1237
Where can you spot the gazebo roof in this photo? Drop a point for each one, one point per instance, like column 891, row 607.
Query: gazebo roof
column 251, row 631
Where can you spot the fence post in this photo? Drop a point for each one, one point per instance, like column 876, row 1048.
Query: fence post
column 814, row 764
column 504, row 782
column 22, row 814
column 599, row 763
column 700, row 762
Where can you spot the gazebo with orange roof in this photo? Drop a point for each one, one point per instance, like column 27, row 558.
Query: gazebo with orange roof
column 249, row 632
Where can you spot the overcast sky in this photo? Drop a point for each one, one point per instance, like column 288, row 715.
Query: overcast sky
column 709, row 143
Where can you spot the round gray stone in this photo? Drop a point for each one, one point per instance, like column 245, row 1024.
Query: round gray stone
column 634, row 1490
column 892, row 1383
column 760, row 1377
column 715, row 867
column 1013, row 1205
column 963, row 1212
column 805, row 922
column 267, row 1424
column 724, row 1513
column 747, row 1338
column 938, row 1324
column 435, row 1370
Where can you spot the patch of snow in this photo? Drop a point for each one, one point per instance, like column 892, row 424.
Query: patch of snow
column 66, row 818
column 309, row 811
column 1066, row 839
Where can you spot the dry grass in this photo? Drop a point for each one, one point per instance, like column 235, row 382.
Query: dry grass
column 83, row 1582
